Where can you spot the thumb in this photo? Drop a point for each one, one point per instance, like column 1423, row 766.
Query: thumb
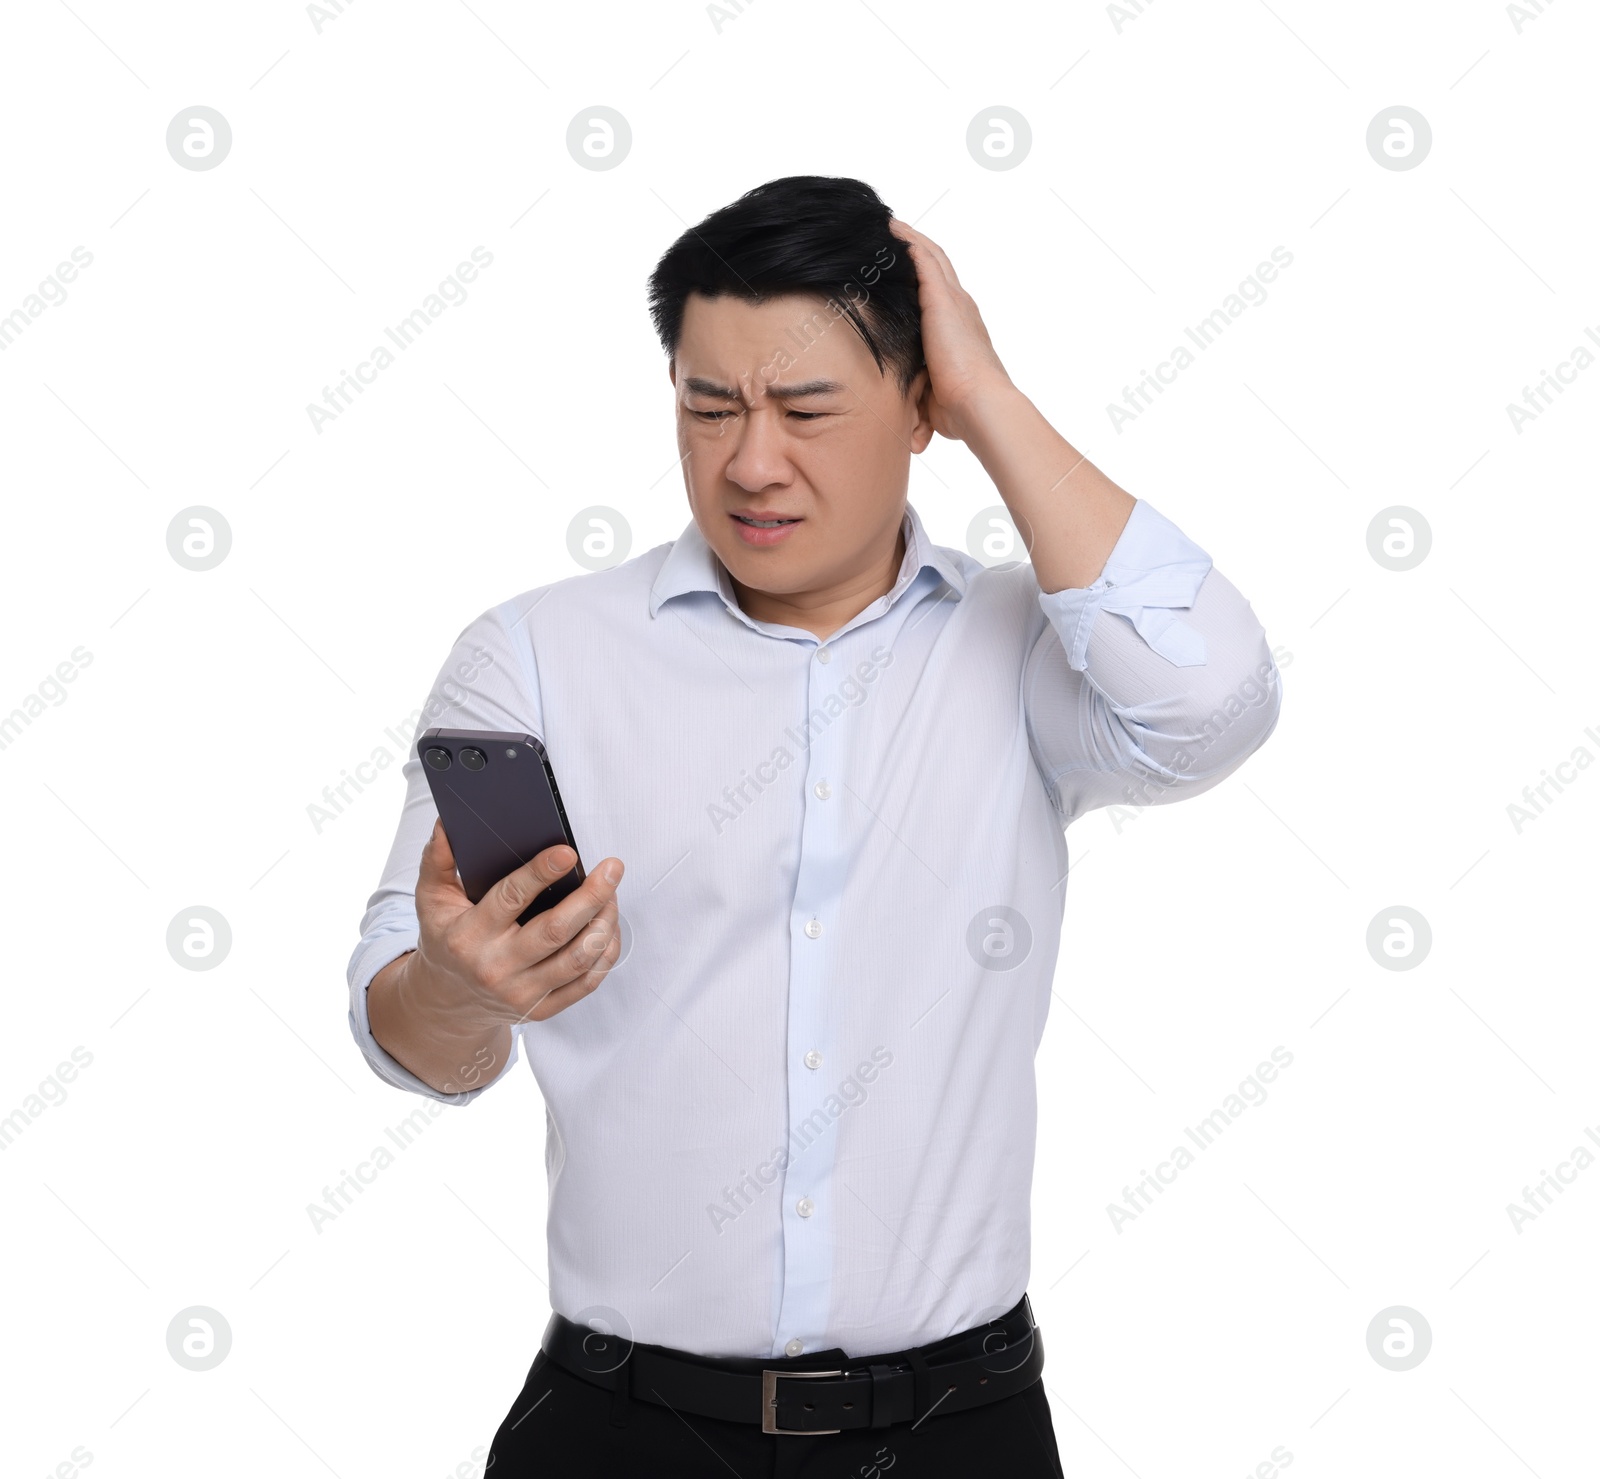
column 438, row 866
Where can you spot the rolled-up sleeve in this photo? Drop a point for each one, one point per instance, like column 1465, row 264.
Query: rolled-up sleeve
column 486, row 682
column 1150, row 685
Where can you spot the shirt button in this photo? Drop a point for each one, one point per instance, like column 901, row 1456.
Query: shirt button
column 823, row 655
column 805, row 1206
column 823, row 790
column 813, row 1059
column 794, row 1348
column 814, row 928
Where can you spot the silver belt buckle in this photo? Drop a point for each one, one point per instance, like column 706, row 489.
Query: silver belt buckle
column 769, row 1403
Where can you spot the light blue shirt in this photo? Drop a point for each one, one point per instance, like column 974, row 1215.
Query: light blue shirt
column 800, row 1112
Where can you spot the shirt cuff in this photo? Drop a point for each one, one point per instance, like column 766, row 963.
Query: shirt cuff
column 1153, row 570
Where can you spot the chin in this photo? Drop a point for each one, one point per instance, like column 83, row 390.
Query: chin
column 776, row 574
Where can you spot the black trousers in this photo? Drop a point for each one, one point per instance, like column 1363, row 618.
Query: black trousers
column 561, row 1425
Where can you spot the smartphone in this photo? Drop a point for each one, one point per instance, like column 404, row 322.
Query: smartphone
column 496, row 795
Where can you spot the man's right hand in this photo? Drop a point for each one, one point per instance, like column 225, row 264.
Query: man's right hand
column 445, row 1010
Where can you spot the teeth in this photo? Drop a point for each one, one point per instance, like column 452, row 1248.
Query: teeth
column 763, row 523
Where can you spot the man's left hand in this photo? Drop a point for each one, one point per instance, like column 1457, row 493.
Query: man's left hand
column 962, row 364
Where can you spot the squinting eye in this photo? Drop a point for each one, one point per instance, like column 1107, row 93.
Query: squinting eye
column 719, row 415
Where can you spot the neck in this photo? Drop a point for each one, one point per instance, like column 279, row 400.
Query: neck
column 822, row 612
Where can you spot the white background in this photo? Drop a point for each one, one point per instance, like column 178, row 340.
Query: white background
column 1171, row 152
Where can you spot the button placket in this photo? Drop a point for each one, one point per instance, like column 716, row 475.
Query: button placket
column 828, row 834
column 813, row 968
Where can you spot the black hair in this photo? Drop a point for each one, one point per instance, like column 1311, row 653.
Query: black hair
column 819, row 235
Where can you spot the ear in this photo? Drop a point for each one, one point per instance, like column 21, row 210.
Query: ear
column 919, row 396
column 672, row 371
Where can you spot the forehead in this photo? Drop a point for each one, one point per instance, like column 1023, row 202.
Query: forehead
column 796, row 336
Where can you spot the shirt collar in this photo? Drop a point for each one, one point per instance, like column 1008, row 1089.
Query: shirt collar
column 692, row 565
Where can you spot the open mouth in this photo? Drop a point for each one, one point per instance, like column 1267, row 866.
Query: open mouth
column 757, row 533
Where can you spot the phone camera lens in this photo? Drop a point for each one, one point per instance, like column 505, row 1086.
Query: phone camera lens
column 438, row 759
column 473, row 759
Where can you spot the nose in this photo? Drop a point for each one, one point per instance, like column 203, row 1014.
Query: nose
column 759, row 460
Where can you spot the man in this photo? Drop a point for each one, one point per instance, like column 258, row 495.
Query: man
column 792, row 1129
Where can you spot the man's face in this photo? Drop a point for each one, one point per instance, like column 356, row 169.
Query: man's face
column 783, row 414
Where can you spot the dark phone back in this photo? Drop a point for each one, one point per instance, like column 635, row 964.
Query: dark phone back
column 500, row 815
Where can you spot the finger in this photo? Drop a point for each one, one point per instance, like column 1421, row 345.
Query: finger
column 436, row 854
column 559, row 998
column 912, row 239
column 578, row 956
column 925, row 250
column 436, row 872
column 909, row 233
column 552, row 929
column 508, row 898
column 941, row 263
column 569, row 963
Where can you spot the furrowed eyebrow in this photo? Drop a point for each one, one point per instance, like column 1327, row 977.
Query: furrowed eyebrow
column 698, row 385
column 805, row 388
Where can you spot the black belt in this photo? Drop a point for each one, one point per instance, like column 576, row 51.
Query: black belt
column 813, row 1394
